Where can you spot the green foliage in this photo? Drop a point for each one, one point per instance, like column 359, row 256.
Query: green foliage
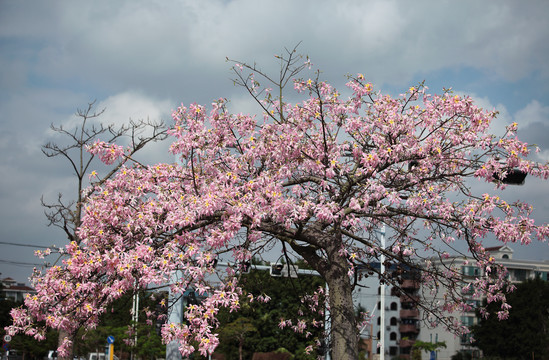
column 26, row 345
column 524, row 335
column 462, row 355
column 237, row 329
column 428, row 346
column 261, row 320
column 117, row 322
column 425, row 346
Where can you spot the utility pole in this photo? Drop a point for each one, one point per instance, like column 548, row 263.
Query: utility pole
column 135, row 319
column 382, row 297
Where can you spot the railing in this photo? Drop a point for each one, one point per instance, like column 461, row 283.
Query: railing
column 408, row 328
column 404, row 343
column 409, row 313
column 409, row 298
column 410, row 284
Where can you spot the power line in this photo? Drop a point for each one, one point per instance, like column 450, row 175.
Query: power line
column 25, row 245
column 20, row 263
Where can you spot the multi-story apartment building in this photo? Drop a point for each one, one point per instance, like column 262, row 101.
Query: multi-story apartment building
column 518, row 271
column 403, row 320
column 401, row 325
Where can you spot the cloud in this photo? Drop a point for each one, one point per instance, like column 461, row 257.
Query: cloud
column 150, row 42
column 122, row 107
column 534, row 112
column 140, row 59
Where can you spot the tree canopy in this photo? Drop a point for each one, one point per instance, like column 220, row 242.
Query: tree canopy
column 524, row 335
column 318, row 177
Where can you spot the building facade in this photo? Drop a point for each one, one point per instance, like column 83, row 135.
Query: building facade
column 518, row 271
column 14, row 291
column 403, row 323
column 400, row 326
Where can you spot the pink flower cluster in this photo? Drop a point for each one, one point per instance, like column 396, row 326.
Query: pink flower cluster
column 108, row 153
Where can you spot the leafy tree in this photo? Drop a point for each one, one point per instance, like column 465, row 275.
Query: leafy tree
column 268, row 321
column 425, row 346
column 318, row 177
column 117, row 322
column 525, row 334
column 237, row 330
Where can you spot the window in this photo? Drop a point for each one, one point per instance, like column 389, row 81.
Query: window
column 394, row 321
column 408, row 305
column 408, row 321
column 394, row 306
column 393, row 336
column 473, row 303
column 541, row 275
column 470, row 270
column 468, row 320
column 466, row 339
column 519, row 274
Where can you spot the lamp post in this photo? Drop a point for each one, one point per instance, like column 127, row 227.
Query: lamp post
column 382, row 297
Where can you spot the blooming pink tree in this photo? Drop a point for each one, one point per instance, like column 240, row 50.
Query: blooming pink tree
column 319, row 176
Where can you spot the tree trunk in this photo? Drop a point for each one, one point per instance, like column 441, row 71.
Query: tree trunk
column 334, row 269
column 343, row 327
column 62, row 335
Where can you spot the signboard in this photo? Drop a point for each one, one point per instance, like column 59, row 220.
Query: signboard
column 7, row 338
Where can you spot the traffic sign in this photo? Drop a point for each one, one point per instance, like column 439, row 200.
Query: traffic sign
column 110, row 339
column 7, row 338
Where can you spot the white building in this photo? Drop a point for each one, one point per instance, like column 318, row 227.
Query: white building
column 403, row 320
column 518, row 271
column 401, row 316
column 12, row 290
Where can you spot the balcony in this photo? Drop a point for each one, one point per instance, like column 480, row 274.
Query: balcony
column 404, row 343
column 409, row 298
column 408, row 328
column 409, row 313
column 410, row 284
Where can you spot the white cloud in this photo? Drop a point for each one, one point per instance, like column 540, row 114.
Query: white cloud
column 532, row 113
column 122, row 107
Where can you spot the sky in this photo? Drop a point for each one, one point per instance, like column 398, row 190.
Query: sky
column 142, row 59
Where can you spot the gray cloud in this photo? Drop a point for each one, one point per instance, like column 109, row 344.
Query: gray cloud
column 143, row 58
